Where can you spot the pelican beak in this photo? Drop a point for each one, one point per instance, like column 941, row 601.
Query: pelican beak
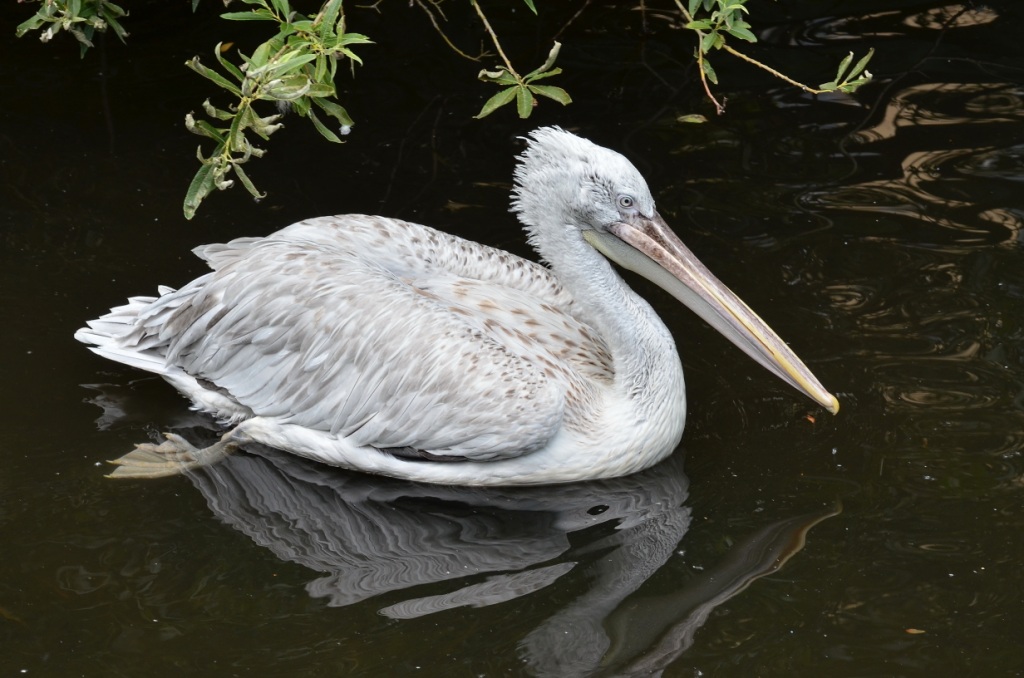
column 649, row 247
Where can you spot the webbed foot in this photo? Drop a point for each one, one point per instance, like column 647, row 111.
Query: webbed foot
column 171, row 457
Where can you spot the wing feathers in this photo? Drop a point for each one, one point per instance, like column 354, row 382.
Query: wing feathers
column 390, row 334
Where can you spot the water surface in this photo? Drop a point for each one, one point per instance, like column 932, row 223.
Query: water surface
column 878, row 233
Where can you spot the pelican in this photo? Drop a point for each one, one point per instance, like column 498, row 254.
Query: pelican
column 388, row 347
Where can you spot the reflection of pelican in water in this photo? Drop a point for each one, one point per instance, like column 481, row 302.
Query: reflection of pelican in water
column 452, row 547
column 383, row 346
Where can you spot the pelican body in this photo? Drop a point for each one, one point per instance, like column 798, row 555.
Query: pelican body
column 387, row 347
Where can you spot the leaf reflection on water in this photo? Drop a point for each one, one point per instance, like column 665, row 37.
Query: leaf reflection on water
column 372, row 536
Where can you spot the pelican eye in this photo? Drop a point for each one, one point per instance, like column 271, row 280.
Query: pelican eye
column 626, row 202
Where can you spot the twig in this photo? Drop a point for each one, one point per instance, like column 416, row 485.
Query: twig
column 766, row 67
column 437, row 27
column 494, row 39
column 719, row 107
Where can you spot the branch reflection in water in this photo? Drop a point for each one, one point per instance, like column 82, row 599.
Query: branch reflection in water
column 374, row 535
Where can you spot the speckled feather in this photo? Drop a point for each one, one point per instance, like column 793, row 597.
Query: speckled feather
column 386, row 308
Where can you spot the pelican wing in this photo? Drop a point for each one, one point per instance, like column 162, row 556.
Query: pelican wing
column 389, row 334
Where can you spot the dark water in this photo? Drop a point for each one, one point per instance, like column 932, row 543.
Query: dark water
column 878, row 233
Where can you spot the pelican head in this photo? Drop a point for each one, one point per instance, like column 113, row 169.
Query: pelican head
column 601, row 195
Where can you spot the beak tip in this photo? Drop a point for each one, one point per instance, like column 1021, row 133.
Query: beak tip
column 832, row 405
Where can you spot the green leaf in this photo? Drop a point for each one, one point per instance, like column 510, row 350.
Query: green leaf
column 213, row 76
column 215, row 112
column 227, row 65
column 693, row 6
column 236, row 132
column 843, row 65
column 710, row 41
column 497, row 101
column 282, row 7
column 735, row 7
column 540, row 76
column 323, row 129
column 709, row 72
column 30, row 24
column 286, row 65
column 556, row 93
column 251, row 15
column 351, row 55
column 203, row 129
column 119, row 30
column 247, row 182
column 501, row 77
column 260, row 57
column 83, row 36
column 862, row 64
column 335, row 111
column 741, row 33
column 355, row 39
column 329, row 14
column 202, row 185
column 529, row 3
column 692, row 118
column 110, row 9
column 524, row 102
column 701, row 25
column 552, row 57
column 319, row 90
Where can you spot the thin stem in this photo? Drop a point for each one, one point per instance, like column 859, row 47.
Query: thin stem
column 494, row 39
column 437, row 27
column 771, row 70
column 682, row 9
column 719, row 107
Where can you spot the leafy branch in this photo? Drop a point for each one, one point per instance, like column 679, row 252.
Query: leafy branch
column 518, row 87
column 80, row 18
column 725, row 18
column 295, row 68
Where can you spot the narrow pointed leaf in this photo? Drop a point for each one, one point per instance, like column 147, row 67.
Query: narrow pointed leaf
column 692, row 118
column 247, row 182
column 497, row 101
column 254, row 15
column 709, row 41
column 227, row 65
column 213, row 76
column 501, row 77
column 862, row 64
column 552, row 57
column 540, row 76
column 843, row 65
column 335, row 111
column 329, row 17
column 556, row 93
column 323, row 129
column 29, row 25
column 524, row 102
column 201, row 186
column 709, row 72
column 742, row 34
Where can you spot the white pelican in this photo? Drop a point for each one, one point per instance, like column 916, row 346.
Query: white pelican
column 388, row 347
